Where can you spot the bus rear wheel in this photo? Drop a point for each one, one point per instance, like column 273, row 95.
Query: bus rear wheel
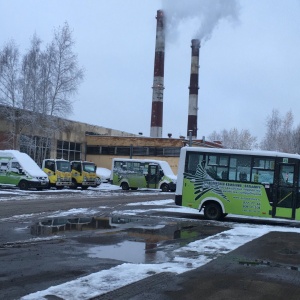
column 213, row 211
column 23, row 185
column 125, row 186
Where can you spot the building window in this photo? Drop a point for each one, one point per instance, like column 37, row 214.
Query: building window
column 38, row 148
column 132, row 150
column 122, row 151
column 68, row 150
column 171, row 151
column 140, row 151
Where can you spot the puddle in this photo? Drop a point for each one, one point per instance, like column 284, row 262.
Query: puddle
column 129, row 251
column 130, row 239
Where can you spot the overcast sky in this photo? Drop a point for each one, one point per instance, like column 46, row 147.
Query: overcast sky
column 249, row 59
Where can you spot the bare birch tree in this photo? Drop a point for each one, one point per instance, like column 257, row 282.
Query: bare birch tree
column 9, row 97
column 280, row 133
column 65, row 73
column 233, row 139
column 43, row 86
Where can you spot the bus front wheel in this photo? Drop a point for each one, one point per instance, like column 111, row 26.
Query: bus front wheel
column 213, row 211
column 164, row 187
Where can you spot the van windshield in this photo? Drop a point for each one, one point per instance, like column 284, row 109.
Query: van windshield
column 89, row 167
column 63, row 166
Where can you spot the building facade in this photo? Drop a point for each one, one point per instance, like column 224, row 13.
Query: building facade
column 73, row 140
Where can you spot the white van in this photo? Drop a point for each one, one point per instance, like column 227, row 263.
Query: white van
column 143, row 173
column 17, row 169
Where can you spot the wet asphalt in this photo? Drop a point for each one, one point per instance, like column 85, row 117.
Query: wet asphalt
column 265, row 268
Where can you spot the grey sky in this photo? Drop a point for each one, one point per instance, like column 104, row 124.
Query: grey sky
column 247, row 67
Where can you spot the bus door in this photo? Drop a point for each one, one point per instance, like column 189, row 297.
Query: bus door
column 153, row 176
column 284, row 204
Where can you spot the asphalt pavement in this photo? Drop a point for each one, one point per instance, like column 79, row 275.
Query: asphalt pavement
column 265, row 268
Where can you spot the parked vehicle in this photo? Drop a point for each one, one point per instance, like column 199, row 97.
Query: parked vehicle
column 17, row 169
column 83, row 174
column 58, row 171
column 103, row 175
column 239, row 182
column 143, row 173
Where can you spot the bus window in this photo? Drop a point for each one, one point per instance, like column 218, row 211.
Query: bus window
column 217, row 166
column 136, row 167
column 240, row 167
column 212, row 172
column 263, row 170
column 192, row 161
column 263, row 176
column 212, row 160
column 286, row 175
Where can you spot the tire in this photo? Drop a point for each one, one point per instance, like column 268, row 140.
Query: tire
column 213, row 211
column 74, row 185
column 124, row 186
column 164, row 187
column 23, row 185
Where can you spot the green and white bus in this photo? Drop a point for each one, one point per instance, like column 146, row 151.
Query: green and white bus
column 240, row 182
column 142, row 173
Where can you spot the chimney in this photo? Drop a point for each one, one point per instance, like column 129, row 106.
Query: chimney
column 193, row 96
column 158, row 81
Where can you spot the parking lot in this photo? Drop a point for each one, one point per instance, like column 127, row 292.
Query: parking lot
column 61, row 243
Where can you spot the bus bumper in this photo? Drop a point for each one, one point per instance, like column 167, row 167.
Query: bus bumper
column 178, row 200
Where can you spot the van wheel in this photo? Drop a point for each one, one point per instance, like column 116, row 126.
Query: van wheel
column 125, row 186
column 165, row 187
column 23, row 185
column 74, row 185
column 213, row 211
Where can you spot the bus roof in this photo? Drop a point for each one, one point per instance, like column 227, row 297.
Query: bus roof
column 243, row 152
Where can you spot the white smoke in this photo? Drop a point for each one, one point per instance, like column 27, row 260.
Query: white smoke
column 202, row 16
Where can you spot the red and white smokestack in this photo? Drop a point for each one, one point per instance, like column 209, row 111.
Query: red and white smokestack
column 193, row 96
column 158, row 81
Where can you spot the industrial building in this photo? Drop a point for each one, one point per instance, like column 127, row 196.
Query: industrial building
column 73, row 140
